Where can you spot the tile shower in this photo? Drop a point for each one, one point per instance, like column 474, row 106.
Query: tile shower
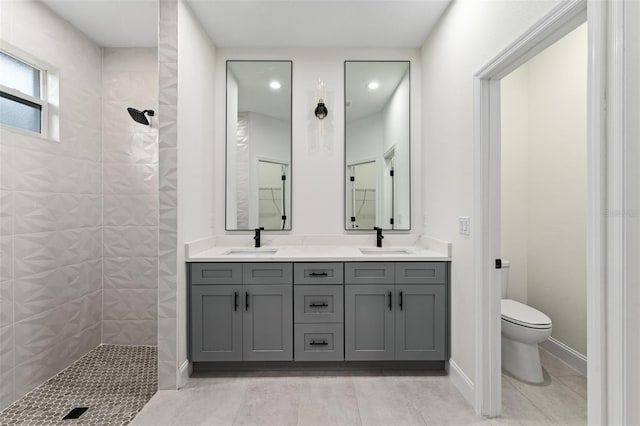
column 78, row 216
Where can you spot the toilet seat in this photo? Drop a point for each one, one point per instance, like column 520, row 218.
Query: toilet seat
column 523, row 315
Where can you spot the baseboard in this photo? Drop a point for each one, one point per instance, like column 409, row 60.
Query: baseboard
column 566, row 354
column 462, row 382
column 183, row 373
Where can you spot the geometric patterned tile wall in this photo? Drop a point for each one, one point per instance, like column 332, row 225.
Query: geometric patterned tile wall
column 130, row 186
column 50, row 212
column 168, row 183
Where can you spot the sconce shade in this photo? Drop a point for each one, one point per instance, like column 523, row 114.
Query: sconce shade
column 321, row 110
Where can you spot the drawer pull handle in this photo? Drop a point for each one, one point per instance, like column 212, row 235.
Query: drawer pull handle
column 318, row 305
column 390, row 304
column 235, row 301
column 318, row 343
column 318, row 274
column 246, row 300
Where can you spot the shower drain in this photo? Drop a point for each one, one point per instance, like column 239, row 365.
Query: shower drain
column 75, row 413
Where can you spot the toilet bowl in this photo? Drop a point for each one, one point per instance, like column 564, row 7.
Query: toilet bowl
column 523, row 328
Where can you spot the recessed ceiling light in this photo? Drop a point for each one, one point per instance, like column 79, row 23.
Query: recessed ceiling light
column 373, row 85
column 275, row 85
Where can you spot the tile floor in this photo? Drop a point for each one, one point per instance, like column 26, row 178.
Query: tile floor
column 115, row 382
column 377, row 398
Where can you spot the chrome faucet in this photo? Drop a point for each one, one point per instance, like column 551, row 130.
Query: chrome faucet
column 379, row 236
column 257, row 237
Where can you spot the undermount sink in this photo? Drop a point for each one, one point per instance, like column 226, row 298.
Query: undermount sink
column 251, row 252
column 383, row 251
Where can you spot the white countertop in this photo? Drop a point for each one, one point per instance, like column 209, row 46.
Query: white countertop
column 318, row 249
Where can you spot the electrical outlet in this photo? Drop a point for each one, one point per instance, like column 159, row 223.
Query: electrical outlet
column 464, row 227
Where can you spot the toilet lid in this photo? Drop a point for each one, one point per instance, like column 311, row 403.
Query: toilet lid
column 524, row 315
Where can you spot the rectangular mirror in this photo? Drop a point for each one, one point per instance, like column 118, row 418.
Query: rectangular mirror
column 377, row 152
column 258, row 168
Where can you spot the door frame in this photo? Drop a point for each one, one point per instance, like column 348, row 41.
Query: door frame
column 605, row 185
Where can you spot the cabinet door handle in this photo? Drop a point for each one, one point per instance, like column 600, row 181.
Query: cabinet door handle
column 400, row 300
column 246, row 300
column 318, row 343
column 235, row 301
column 318, row 305
column 318, row 274
column 390, row 304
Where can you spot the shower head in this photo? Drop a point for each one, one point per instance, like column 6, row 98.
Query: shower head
column 139, row 116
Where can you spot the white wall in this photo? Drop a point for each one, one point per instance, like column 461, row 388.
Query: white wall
column 632, row 32
column 514, row 185
column 130, row 199
column 196, row 163
column 50, row 211
column 470, row 33
column 317, row 159
column 552, row 232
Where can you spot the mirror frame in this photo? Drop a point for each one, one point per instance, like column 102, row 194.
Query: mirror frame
column 226, row 143
column 345, row 164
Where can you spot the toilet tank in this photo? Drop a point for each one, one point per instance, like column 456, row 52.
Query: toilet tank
column 505, row 277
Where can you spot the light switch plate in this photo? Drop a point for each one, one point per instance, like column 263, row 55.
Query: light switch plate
column 464, row 226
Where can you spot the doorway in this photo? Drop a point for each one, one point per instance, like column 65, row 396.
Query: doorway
column 543, row 199
column 602, row 320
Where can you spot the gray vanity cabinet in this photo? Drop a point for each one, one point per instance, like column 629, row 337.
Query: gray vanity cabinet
column 216, row 323
column 241, row 312
column 368, row 322
column 404, row 319
column 267, row 323
column 420, row 317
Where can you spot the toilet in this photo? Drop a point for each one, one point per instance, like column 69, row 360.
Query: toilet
column 523, row 328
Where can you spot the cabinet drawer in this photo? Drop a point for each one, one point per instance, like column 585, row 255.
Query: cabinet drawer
column 421, row 273
column 369, row 273
column 318, row 303
column 317, row 273
column 216, row 273
column 267, row 273
column 318, row 342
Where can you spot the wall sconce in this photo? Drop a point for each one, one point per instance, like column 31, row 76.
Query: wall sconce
column 321, row 110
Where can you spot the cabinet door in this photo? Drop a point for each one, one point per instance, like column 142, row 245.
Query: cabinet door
column 267, row 322
column 216, row 323
column 368, row 322
column 420, row 322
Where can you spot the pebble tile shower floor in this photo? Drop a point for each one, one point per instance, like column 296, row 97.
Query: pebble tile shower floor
column 115, row 382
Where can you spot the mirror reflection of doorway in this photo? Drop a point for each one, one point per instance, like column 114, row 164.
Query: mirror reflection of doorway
column 389, row 186
column 272, row 203
column 362, row 195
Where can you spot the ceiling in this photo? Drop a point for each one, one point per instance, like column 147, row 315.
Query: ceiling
column 263, row 23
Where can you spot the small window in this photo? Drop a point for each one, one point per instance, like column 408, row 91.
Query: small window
column 22, row 102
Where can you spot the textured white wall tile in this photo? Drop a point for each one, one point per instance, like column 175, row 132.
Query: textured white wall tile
column 6, row 258
column 130, row 241
column 35, row 253
column 55, row 205
column 130, row 210
column 131, row 179
column 122, row 332
column 130, row 148
column 6, row 303
column 131, row 272
column 6, row 366
column 38, row 292
column 41, row 212
column 130, row 304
